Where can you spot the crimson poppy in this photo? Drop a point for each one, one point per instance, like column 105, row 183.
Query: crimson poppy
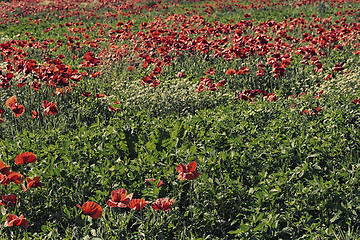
column 338, row 67
column 15, row 177
column 99, row 95
column 35, row 85
column 26, row 157
column 271, row 97
column 50, row 108
column 119, row 198
column 187, row 171
column 221, row 83
column 310, row 112
column 8, row 200
column 92, row 209
column 3, row 168
column 138, row 204
column 113, row 109
column 86, row 94
column 243, row 70
column 210, row 71
column 200, row 88
column 10, row 101
column 150, row 180
column 180, row 75
column 13, row 220
column 32, row 183
column 162, row 204
column 17, row 109
column 35, row 114
column 4, row 180
column 230, row 72
column 355, row 101
column 212, row 87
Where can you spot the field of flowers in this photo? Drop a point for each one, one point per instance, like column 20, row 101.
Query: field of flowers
column 159, row 119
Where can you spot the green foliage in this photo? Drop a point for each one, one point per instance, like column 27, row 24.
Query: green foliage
column 267, row 169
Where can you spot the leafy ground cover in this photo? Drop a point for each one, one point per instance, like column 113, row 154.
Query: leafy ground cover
column 179, row 119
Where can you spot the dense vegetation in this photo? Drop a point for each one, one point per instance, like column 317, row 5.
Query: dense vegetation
column 262, row 95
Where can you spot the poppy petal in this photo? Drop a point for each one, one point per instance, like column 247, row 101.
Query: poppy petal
column 10, row 101
column 92, row 209
column 26, row 157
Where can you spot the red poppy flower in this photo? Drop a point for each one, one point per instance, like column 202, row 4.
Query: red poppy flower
column 157, row 70
column 230, row 72
column 15, row 177
column 3, row 168
column 210, row 71
column 92, row 209
column 150, row 180
column 50, row 108
column 309, row 112
column 187, row 171
column 162, row 204
column 212, row 87
column 113, row 109
column 4, row 180
column 26, row 157
column 76, row 77
column 221, row 83
column 200, row 88
column 86, row 94
column 355, row 101
column 17, row 109
column 243, row 70
column 260, row 73
column 8, row 200
column 119, row 198
column 180, row 75
column 32, row 183
column 13, row 220
column 318, row 94
column 10, row 101
column 35, row 114
column 306, row 112
column 138, row 204
column 271, row 97
column 338, row 67
column 99, row 95
column 35, row 85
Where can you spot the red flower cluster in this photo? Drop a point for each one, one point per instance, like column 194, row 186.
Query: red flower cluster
column 249, row 95
column 205, row 81
column 151, row 80
column 311, row 112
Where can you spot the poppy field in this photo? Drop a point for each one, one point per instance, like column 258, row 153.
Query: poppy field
column 159, row 119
